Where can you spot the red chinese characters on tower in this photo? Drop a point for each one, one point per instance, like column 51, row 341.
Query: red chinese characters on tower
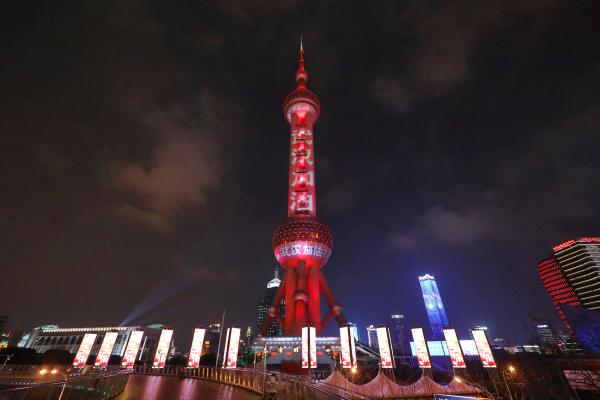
column 301, row 199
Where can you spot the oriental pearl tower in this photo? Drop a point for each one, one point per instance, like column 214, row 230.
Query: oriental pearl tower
column 302, row 244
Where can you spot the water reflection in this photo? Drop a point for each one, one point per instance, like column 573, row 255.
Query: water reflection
column 161, row 388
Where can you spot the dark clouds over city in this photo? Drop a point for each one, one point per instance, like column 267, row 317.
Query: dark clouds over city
column 144, row 155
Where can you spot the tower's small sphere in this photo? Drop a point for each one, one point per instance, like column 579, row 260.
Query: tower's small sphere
column 302, row 239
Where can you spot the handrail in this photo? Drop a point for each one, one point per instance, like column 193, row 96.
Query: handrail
column 76, row 379
column 257, row 381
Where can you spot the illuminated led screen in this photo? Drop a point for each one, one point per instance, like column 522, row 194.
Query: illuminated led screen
column 196, row 350
column 84, row 350
column 105, row 349
column 483, row 347
column 309, row 347
column 436, row 348
column 469, row 348
column 348, row 348
column 421, row 347
column 456, row 356
column 162, row 350
column 135, row 339
column 232, row 346
column 385, row 353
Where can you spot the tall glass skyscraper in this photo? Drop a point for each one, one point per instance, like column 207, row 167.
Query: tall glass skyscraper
column 265, row 303
column 571, row 275
column 433, row 305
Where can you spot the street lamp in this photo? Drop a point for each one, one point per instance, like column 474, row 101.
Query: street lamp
column 510, row 370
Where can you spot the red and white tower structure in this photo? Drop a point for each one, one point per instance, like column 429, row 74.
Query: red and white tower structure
column 302, row 244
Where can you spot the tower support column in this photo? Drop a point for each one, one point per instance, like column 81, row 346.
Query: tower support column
column 290, row 288
column 300, row 298
column 314, row 297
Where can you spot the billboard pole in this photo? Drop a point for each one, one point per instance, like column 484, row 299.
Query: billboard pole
column 220, row 336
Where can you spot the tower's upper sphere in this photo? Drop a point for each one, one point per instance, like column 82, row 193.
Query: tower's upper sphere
column 305, row 99
column 302, row 239
column 301, row 98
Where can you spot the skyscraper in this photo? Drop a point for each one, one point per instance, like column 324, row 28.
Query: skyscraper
column 354, row 330
column 265, row 303
column 546, row 338
column 572, row 275
column 372, row 337
column 433, row 305
column 302, row 244
column 398, row 335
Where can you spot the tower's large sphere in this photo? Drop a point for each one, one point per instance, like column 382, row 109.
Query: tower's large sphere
column 302, row 239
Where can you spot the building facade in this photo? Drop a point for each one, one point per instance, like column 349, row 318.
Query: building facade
column 571, row 275
column 211, row 340
column 354, row 330
column 52, row 337
column 372, row 337
column 398, row 335
column 434, row 306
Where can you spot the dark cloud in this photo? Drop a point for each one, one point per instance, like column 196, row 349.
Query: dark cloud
column 444, row 38
column 546, row 181
column 182, row 171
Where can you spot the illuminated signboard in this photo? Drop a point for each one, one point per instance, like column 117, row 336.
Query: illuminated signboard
column 468, row 347
column 162, row 350
column 348, row 348
column 456, row 356
column 385, row 352
column 135, row 339
column 105, row 349
column 84, row 350
column 421, row 347
column 312, row 252
column 563, row 245
column 483, row 347
column 436, row 348
column 196, row 350
column 309, row 347
column 231, row 348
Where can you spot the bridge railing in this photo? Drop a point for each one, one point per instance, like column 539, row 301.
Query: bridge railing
column 246, row 379
column 89, row 386
column 269, row 385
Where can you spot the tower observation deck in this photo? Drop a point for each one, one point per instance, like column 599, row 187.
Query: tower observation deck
column 302, row 244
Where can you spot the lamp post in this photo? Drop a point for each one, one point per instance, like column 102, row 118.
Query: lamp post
column 510, row 370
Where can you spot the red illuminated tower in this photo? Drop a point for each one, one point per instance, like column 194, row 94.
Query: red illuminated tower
column 302, row 244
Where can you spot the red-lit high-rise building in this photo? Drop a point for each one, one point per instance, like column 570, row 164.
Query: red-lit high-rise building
column 302, row 244
column 571, row 275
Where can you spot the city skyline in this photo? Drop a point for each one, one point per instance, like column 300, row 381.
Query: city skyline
column 143, row 168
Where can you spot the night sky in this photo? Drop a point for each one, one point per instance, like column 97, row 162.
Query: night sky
column 144, row 156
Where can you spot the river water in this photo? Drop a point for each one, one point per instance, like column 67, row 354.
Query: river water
column 141, row 387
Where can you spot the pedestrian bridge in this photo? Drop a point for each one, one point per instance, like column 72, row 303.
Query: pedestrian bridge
column 32, row 382
column 335, row 386
column 62, row 383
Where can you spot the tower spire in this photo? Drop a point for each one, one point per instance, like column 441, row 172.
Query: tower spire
column 301, row 74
